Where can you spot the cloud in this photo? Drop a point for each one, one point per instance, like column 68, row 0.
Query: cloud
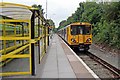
column 62, row 9
column 57, row 10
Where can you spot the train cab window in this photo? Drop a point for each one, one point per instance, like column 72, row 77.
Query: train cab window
column 73, row 30
column 87, row 30
column 80, row 30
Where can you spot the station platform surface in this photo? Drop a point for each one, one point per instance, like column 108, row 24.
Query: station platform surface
column 60, row 62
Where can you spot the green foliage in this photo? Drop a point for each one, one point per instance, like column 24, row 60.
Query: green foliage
column 51, row 23
column 105, row 18
column 39, row 7
column 62, row 24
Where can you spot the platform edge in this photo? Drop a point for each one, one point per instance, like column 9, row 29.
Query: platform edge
column 93, row 74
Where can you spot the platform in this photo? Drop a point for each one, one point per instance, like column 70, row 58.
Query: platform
column 60, row 62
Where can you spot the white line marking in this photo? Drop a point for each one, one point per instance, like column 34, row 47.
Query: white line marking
column 93, row 74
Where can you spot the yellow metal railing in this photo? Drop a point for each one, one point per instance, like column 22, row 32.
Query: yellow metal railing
column 18, row 44
column 16, row 39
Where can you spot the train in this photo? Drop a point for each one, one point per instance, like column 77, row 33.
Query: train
column 77, row 35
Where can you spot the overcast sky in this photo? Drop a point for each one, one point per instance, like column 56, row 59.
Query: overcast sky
column 57, row 10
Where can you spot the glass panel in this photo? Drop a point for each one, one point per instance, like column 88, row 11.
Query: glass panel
column 87, row 30
column 80, row 29
column 73, row 30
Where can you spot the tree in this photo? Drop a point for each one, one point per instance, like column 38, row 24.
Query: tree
column 51, row 23
column 104, row 16
column 39, row 7
column 62, row 24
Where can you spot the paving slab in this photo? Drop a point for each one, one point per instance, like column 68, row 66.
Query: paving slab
column 58, row 62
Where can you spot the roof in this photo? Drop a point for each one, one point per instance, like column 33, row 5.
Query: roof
column 15, row 11
column 80, row 23
column 75, row 23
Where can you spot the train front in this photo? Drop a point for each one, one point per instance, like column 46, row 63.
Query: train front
column 83, row 34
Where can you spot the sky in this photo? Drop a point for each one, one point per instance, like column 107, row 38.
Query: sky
column 57, row 10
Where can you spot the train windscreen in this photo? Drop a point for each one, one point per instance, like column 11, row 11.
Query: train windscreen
column 87, row 30
column 74, row 30
column 80, row 29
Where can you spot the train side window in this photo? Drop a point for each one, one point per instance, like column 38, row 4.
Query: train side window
column 73, row 30
column 64, row 31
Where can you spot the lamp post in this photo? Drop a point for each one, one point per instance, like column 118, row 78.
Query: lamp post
column 46, row 9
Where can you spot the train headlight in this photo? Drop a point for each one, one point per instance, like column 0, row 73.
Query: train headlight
column 73, row 40
column 88, row 40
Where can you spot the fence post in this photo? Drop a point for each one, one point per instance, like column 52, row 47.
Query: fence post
column 32, row 44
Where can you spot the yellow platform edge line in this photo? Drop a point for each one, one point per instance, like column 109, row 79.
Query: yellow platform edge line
column 13, row 73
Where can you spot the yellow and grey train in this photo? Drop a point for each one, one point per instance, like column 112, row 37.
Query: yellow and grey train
column 77, row 35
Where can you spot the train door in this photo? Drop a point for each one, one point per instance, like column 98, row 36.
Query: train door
column 80, row 32
column 74, row 35
column 64, row 32
column 67, row 34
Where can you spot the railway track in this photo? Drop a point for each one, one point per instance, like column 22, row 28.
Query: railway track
column 103, row 69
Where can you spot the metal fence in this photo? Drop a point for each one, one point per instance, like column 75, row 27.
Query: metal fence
column 22, row 30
